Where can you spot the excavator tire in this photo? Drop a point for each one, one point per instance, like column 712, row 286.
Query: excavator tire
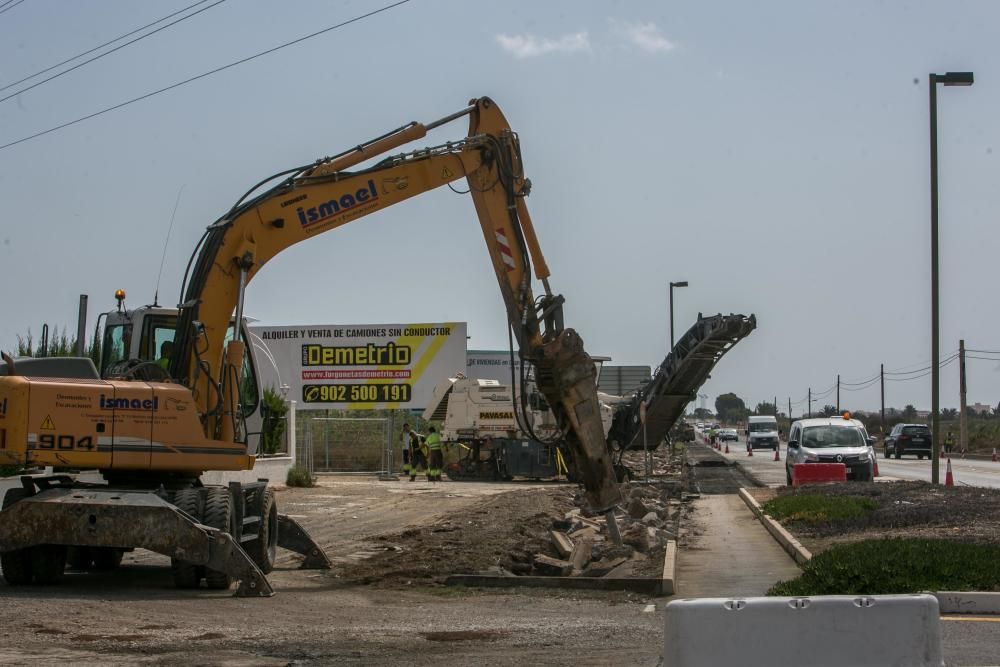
column 218, row 514
column 187, row 575
column 48, row 562
column 79, row 558
column 264, row 549
column 107, row 558
column 16, row 564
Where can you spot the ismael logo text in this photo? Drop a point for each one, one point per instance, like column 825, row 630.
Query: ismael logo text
column 334, row 207
column 129, row 404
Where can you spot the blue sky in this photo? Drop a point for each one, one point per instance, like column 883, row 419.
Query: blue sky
column 774, row 154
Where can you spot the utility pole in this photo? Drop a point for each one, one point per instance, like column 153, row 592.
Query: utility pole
column 789, row 409
column 963, row 431
column 881, row 377
column 775, row 407
column 809, row 413
column 838, row 393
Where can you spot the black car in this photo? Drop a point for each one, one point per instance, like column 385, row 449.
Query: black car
column 908, row 439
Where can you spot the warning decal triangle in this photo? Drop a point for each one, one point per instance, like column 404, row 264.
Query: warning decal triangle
column 47, row 424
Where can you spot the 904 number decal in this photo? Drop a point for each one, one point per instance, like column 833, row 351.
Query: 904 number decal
column 65, row 442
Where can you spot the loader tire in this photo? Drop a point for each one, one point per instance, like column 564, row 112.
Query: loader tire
column 48, row 562
column 16, row 565
column 264, row 549
column 218, row 514
column 187, row 575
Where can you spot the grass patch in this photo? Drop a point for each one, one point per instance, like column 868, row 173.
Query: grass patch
column 897, row 565
column 815, row 508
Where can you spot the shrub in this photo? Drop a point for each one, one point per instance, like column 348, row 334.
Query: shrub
column 298, row 476
column 274, row 411
column 896, row 566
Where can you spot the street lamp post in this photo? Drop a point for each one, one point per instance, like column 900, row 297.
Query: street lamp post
column 949, row 79
column 682, row 283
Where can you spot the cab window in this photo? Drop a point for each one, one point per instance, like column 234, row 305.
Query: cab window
column 117, row 339
column 156, row 330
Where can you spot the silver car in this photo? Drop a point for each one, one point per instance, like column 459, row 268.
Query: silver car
column 831, row 440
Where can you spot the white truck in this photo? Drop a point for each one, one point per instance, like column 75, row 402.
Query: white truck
column 762, row 432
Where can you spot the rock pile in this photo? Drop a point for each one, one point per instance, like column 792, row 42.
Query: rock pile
column 580, row 545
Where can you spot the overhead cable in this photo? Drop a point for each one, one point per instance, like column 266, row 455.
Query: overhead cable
column 203, row 75
column 101, row 46
column 6, row 8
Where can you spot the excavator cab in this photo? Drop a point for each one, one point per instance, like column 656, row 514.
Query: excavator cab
column 132, row 343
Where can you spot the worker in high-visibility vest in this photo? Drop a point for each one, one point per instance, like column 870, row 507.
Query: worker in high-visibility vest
column 436, row 463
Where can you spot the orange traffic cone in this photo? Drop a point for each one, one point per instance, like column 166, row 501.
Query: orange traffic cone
column 994, row 455
column 749, row 450
column 776, row 457
column 727, row 447
column 875, row 468
column 949, row 479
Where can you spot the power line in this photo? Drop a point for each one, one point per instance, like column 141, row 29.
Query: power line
column 109, row 52
column 7, row 9
column 2, row 5
column 203, row 75
column 101, row 46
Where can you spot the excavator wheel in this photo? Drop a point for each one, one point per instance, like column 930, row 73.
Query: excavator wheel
column 187, row 575
column 16, row 564
column 79, row 558
column 264, row 549
column 107, row 558
column 48, row 562
column 218, row 514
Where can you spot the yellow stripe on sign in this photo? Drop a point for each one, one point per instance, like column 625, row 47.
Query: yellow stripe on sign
column 417, row 369
column 972, row 619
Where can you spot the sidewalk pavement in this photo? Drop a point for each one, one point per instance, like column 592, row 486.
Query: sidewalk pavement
column 728, row 552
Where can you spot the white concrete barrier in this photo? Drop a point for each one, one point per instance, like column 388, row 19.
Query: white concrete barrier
column 819, row 631
column 274, row 469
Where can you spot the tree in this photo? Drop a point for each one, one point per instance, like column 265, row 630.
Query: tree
column 730, row 408
column 949, row 414
column 828, row 411
column 909, row 413
column 702, row 412
column 766, row 408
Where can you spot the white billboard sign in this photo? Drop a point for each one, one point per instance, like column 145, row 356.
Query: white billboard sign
column 360, row 366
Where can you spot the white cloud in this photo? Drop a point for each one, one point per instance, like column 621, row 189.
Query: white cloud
column 529, row 46
column 647, row 36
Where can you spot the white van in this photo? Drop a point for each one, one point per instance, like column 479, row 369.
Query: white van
column 762, row 432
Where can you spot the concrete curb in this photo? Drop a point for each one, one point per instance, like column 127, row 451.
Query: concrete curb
column 958, row 602
column 669, row 569
column 787, row 541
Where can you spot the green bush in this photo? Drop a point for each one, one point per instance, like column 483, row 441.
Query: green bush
column 10, row 471
column 298, row 476
column 896, row 566
column 815, row 508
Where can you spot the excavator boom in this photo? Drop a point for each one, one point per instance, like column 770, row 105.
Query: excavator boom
column 335, row 191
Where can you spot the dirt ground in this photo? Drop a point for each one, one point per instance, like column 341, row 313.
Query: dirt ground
column 381, row 604
column 906, row 509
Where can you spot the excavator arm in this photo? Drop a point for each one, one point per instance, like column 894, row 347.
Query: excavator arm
column 332, row 192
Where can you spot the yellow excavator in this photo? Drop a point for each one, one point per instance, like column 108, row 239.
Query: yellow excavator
column 152, row 428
